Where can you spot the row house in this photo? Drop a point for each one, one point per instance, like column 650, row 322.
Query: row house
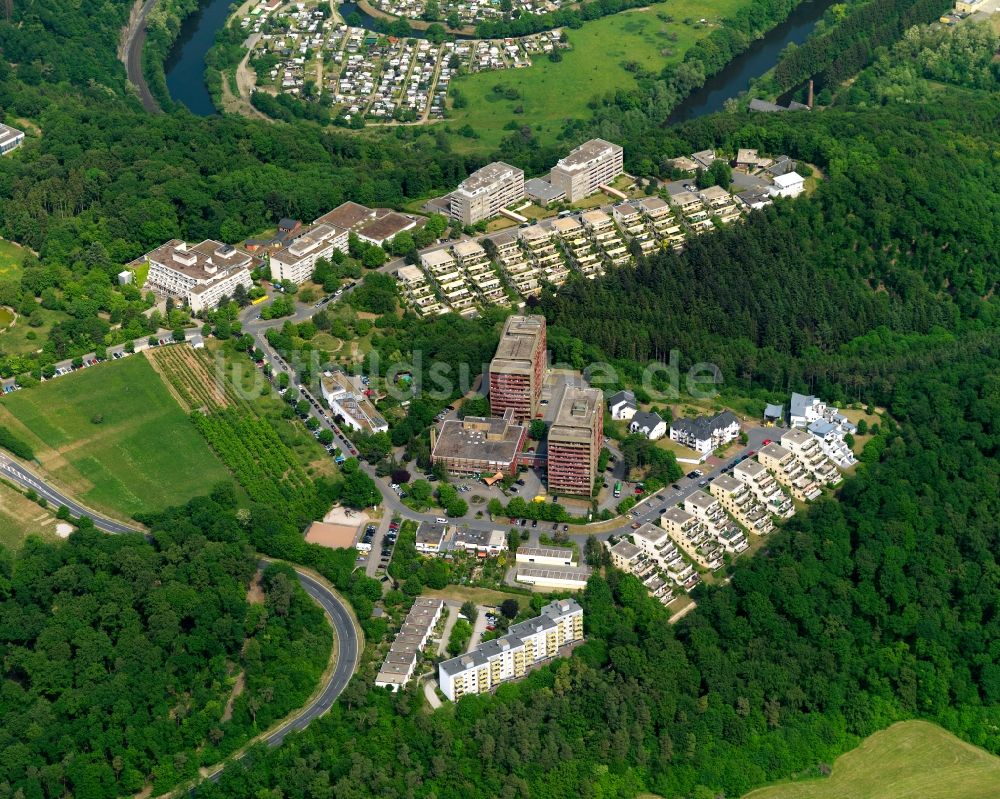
column 807, row 449
column 666, row 227
column 578, row 246
column 765, row 488
column 708, row 510
column 544, row 253
column 605, row 236
column 472, row 258
column 720, row 203
column 449, row 278
column 513, row 261
column 693, row 536
column 789, row 471
column 654, row 542
column 416, row 288
column 739, row 502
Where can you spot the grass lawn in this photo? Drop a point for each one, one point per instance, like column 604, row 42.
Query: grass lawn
column 22, row 338
column 551, row 93
column 909, row 759
column 20, row 517
column 11, row 258
column 144, row 454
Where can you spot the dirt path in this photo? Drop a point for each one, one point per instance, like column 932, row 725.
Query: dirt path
column 238, row 687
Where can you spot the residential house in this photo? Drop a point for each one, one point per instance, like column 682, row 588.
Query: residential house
column 739, row 502
column 648, row 424
column 622, row 405
column 789, row 471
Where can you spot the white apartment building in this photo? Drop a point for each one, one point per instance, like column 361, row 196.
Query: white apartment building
column 480, row 272
column 789, row 471
column 739, row 502
column 593, row 164
column 806, row 447
column 765, row 488
column 199, row 275
column 416, row 288
column 297, row 261
column 487, row 190
column 706, row 433
column 451, row 281
column 693, row 536
column 708, row 510
column 348, row 400
column 511, row 656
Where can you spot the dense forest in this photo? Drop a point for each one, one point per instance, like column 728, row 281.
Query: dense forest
column 119, row 657
column 875, row 606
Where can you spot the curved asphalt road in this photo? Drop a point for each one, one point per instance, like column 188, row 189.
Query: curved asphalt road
column 347, row 638
column 17, row 473
column 135, row 37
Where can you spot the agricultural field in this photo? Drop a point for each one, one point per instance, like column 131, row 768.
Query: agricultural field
column 909, row 759
column 266, row 466
column 552, row 92
column 113, row 437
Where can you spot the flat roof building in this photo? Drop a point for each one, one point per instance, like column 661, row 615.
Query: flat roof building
column 297, row 261
column 571, row 578
column 10, row 138
column 511, row 656
column 349, row 401
column 545, row 556
column 430, row 537
column 518, row 368
column 479, row 445
column 481, row 195
column 201, row 274
column 593, row 164
column 574, row 441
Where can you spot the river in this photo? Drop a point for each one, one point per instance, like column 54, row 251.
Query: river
column 185, row 67
column 757, row 59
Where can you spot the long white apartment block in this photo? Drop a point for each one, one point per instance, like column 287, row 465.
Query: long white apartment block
column 511, row 656
column 297, row 261
column 200, row 274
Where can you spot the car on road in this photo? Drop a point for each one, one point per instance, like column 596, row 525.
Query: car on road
column 524, row 522
column 694, row 473
column 703, row 483
column 565, row 528
column 534, row 522
column 676, row 487
column 765, row 442
column 636, row 525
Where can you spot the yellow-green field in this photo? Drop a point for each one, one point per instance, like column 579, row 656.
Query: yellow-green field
column 909, row 760
column 20, row 517
column 114, row 438
column 11, row 258
column 552, row 92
